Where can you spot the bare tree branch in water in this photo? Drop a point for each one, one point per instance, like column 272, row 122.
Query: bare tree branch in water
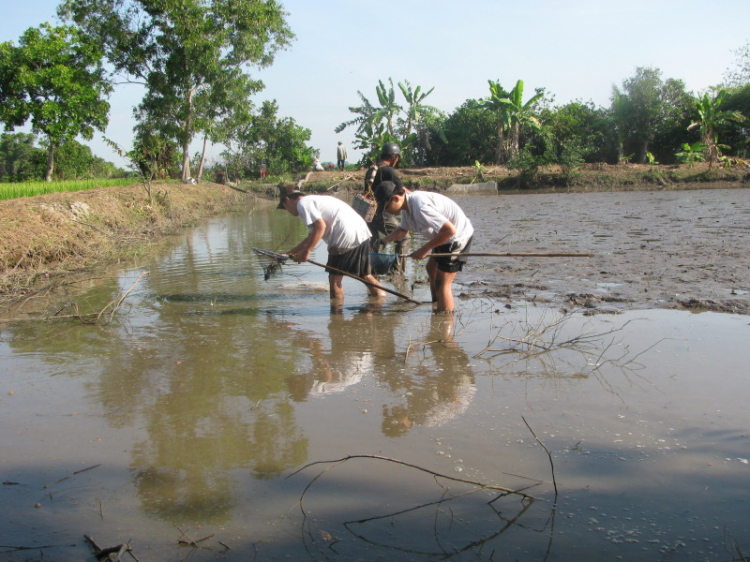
column 102, row 318
column 526, row 501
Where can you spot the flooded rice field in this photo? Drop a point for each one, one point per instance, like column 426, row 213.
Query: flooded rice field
column 570, row 409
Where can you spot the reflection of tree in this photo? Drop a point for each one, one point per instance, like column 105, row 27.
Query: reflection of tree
column 439, row 388
column 202, row 377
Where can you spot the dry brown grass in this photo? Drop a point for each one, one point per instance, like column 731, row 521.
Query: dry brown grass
column 48, row 236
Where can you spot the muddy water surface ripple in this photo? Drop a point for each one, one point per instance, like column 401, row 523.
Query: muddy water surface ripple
column 571, row 408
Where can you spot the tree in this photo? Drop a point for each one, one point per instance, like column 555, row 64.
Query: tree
column 55, row 79
column 184, row 50
column 19, row 158
column 496, row 103
column 736, row 134
column 578, row 130
column 512, row 114
column 390, row 121
column 270, row 141
column 644, row 108
column 740, row 75
column 710, row 118
column 466, row 136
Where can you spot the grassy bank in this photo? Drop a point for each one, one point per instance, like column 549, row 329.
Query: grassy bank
column 49, row 236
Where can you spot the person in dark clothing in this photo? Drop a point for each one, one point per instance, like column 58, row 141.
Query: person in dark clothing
column 384, row 170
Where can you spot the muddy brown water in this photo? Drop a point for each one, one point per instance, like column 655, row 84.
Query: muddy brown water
column 222, row 416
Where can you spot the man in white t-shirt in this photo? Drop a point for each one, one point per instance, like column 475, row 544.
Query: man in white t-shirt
column 442, row 222
column 344, row 231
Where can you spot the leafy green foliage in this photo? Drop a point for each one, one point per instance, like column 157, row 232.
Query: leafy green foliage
column 691, row 153
column 650, row 114
column 464, row 136
column 512, row 114
column 192, row 55
column 55, row 79
column 710, row 117
column 408, row 125
column 20, row 160
column 268, row 141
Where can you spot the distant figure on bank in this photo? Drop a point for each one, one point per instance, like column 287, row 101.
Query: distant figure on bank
column 341, row 228
column 341, row 156
column 445, row 226
column 317, row 166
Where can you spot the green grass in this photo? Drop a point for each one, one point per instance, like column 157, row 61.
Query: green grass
column 32, row 188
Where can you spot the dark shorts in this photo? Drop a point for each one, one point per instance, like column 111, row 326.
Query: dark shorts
column 455, row 263
column 355, row 262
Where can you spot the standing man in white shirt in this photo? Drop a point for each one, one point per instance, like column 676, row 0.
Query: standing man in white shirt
column 341, row 156
column 341, row 228
column 444, row 225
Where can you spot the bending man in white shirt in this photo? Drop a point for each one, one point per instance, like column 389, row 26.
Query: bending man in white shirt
column 344, row 231
column 445, row 226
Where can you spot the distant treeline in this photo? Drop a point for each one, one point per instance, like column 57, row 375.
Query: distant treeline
column 22, row 160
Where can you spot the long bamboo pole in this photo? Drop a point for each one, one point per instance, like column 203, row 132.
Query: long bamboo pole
column 509, row 255
column 386, row 289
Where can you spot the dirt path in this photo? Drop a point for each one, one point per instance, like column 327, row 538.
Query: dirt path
column 653, row 249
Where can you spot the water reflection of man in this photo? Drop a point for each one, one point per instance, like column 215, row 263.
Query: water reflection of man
column 341, row 228
column 434, row 394
column 357, row 343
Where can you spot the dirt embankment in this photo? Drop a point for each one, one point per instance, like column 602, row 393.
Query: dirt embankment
column 47, row 237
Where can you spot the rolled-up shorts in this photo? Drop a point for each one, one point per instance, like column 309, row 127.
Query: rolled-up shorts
column 454, row 263
column 355, row 261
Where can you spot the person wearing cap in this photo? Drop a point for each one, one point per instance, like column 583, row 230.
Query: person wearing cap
column 384, row 223
column 444, row 225
column 341, row 228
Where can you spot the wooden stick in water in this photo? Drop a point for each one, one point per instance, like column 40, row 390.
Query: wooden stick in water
column 386, row 289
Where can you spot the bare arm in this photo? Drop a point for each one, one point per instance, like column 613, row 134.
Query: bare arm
column 445, row 233
column 398, row 234
column 301, row 252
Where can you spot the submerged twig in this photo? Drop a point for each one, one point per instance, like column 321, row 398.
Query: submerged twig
column 410, row 465
column 551, row 464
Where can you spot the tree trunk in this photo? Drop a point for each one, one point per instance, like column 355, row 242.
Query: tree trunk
column 203, row 158
column 641, row 157
column 50, row 163
column 186, row 140
column 500, row 151
column 515, row 143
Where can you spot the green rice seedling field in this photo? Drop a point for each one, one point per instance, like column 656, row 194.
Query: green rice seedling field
column 32, row 188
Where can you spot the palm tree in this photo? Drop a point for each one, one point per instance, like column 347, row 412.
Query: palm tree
column 416, row 111
column 389, row 121
column 512, row 114
column 710, row 118
column 521, row 114
column 496, row 103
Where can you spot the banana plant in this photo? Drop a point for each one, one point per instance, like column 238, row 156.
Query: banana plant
column 512, row 114
column 692, row 153
column 710, row 118
column 416, row 111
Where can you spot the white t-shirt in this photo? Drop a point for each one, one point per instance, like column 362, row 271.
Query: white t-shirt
column 426, row 212
column 345, row 228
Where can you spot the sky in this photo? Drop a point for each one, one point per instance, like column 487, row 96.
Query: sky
column 575, row 49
